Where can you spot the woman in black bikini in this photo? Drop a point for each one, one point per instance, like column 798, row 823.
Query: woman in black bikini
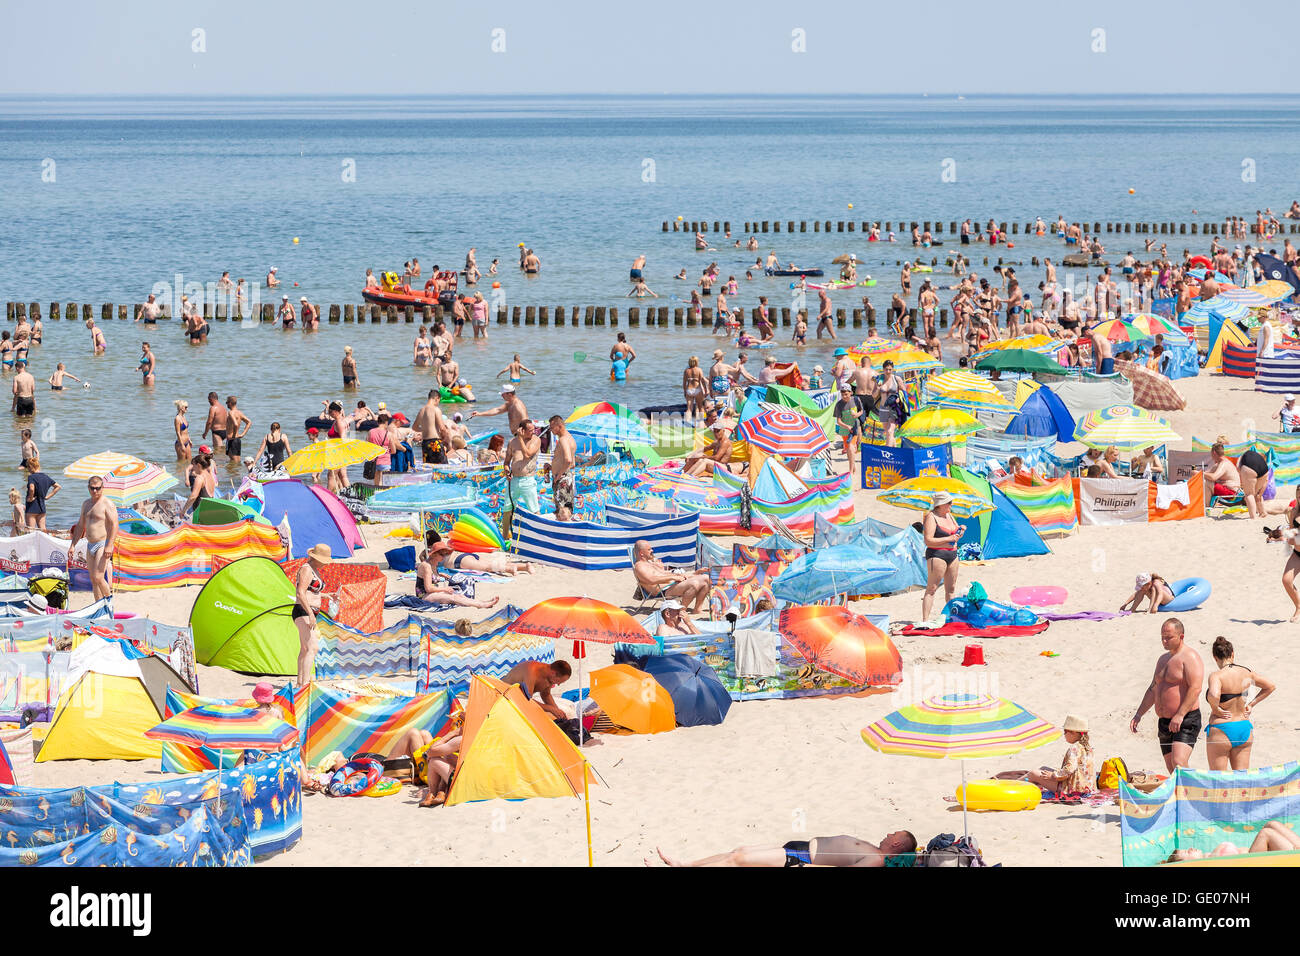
column 275, row 447
column 1252, row 469
column 307, row 585
column 941, row 532
column 201, row 479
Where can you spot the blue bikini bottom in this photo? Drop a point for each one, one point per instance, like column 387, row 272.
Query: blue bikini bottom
column 1237, row 731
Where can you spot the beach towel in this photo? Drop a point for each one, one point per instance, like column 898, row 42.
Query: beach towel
column 756, row 653
column 965, row 630
column 1167, row 495
column 1082, row 615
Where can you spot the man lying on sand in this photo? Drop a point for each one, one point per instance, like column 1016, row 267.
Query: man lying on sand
column 896, row 849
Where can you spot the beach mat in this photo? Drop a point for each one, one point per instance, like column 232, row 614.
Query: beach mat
column 965, row 630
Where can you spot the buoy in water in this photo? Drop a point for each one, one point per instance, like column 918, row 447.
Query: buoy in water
column 496, row 285
column 1131, row 191
column 850, row 205
column 295, row 240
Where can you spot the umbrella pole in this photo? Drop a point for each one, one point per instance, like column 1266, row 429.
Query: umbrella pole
column 965, row 826
column 580, row 707
column 586, row 802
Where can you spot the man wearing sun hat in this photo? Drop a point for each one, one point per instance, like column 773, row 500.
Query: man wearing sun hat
column 511, row 405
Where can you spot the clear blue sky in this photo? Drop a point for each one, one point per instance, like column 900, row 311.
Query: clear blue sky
column 622, row 46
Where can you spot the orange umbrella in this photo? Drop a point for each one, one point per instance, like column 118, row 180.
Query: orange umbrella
column 633, row 699
column 835, row 639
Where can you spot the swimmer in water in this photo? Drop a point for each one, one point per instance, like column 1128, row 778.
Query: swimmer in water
column 641, row 290
column 516, row 369
column 57, row 377
column 148, row 363
column 97, row 341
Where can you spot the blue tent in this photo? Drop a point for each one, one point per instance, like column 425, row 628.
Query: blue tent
column 1004, row 532
column 310, row 521
column 1043, row 415
column 902, row 547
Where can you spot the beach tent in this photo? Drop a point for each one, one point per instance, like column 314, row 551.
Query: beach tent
column 904, row 548
column 115, row 694
column 316, row 516
column 1043, row 414
column 212, row 511
column 511, row 749
column 242, row 619
column 1004, row 532
column 1228, row 332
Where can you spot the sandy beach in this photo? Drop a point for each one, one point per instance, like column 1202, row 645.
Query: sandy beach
column 790, row 769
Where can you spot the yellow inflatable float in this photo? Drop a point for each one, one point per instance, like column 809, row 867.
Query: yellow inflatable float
column 1000, row 795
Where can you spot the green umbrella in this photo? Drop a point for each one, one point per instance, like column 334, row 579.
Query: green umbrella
column 1020, row 360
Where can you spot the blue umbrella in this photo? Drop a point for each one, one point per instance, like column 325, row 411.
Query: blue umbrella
column 612, row 428
column 822, row 574
column 1219, row 305
column 698, row 696
column 426, row 496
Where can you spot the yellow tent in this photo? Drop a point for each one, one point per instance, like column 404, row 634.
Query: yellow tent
column 104, row 713
column 511, row 749
column 1229, row 332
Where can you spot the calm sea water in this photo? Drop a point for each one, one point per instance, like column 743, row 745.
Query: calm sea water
column 103, row 198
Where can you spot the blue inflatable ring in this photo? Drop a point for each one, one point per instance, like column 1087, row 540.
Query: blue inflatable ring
column 356, row 777
column 1189, row 594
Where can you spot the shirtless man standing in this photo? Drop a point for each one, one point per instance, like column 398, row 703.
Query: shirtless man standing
column 24, row 390
column 512, row 406
column 435, row 436
column 622, row 350
column 1175, row 690
column 216, row 423
column 1103, row 360
column 98, row 525
column 564, row 453
column 237, row 425
column 825, row 318
column 521, row 462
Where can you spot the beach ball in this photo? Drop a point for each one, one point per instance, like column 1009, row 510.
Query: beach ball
column 679, row 218
column 1011, row 245
column 295, row 240
column 496, row 285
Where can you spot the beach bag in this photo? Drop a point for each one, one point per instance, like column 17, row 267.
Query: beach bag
column 368, row 470
column 1113, row 770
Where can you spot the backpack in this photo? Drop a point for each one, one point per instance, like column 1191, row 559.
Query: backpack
column 1113, row 770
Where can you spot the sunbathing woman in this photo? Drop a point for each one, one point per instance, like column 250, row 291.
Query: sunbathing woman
column 1150, row 587
column 1273, row 836
column 495, row 563
column 428, row 588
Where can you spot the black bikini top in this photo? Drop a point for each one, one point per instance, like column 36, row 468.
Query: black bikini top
column 1224, row 698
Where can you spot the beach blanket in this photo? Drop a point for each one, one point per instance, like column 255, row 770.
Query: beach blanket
column 1081, row 615
column 965, row 630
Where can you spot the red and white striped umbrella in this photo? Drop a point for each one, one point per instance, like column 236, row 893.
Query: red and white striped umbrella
column 783, row 431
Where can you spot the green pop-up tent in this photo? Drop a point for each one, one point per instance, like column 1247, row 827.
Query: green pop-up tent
column 242, row 619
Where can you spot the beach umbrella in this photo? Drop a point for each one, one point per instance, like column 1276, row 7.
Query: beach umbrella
column 1153, row 325
column 1151, row 390
column 1275, row 270
column 609, row 428
column 827, row 572
column 836, row 640
column 1275, row 290
column 672, row 484
column 580, row 619
column 906, row 359
column 975, row 402
column 137, row 481
column 1117, row 330
column 1020, row 360
column 959, row 727
column 1130, row 434
column 933, row 425
column 602, row 408
column 1110, row 413
column 917, row 494
column 99, row 465
column 426, row 496
column 1224, row 308
column 784, row 431
column 957, row 381
column 1247, row 297
column 633, row 699
column 1043, row 344
column 226, row 727
column 874, row 347
column 331, row 455
column 699, row 698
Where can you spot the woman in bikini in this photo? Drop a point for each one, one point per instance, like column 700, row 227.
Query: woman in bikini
column 202, row 481
column 942, row 532
column 495, row 563
column 431, row 586
column 423, row 348
column 7, row 351
column 274, row 448
column 181, row 426
column 1291, row 535
column 1230, row 733
column 694, row 385
column 307, row 586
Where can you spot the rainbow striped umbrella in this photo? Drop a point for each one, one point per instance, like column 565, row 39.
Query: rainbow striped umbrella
column 137, row 481
column 1153, row 325
column 602, row 408
column 1118, row 330
column 957, row 380
column 784, row 431
column 1100, row 416
column 835, row 639
column 1128, row 431
column 874, row 347
column 961, row 727
column 1246, row 297
column 99, row 465
column 917, row 494
column 226, row 727
column 1274, row 289
column 934, row 425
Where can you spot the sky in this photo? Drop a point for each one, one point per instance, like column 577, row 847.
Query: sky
column 436, row 47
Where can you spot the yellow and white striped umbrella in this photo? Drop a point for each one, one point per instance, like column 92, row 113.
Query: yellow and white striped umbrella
column 1129, row 434
column 99, row 465
column 331, row 454
column 959, row 380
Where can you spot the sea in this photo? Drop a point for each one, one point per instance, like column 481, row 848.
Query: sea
column 106, row 199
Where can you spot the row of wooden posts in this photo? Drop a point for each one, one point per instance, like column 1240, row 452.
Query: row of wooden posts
column 934, row 227
column 591, row 315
